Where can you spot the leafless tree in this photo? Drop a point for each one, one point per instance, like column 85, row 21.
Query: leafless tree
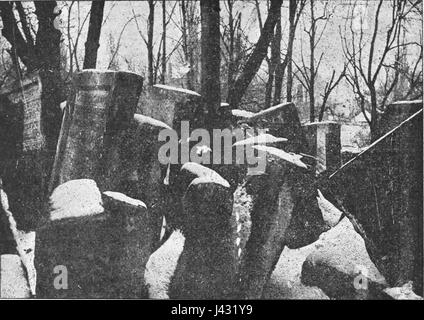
column 93, row 36
column 364, row 66
column 233, row 26
column 275, row 58
column 150, row 26
column 190, row 19
column 161, row 56
column 308, row 74
column 162, row 77
column 210, row 60
column 114, row 52
column 328, row 89
column 257, row 56
column 295, row 11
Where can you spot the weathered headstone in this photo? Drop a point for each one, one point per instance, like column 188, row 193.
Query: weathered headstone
column 207, row 267
column 98, row 116
column 26, row 180
column 28, row 93
column 284, row 209
column 94, row 245
column 282, row 121
column 142, row 174
column 324, row 144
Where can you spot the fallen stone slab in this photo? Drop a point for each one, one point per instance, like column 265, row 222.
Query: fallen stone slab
column 341, row 266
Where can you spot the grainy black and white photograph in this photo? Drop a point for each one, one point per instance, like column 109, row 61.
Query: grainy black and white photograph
column 211, row 150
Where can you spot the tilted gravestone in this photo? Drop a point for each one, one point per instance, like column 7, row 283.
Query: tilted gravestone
column 93, row 127
column 144, row 177
column 26, row 177
column 111, row 244
column 284, row 209
column 94, row 245
column 207, row 266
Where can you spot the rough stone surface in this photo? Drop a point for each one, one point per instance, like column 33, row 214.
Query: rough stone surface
column 101, row 255
column 161, row 266
column 340, row 265
column 207, row 266
column 13, row 282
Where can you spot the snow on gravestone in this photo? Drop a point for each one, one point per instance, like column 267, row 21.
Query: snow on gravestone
column 94, row 245
column 340, row 265
column 208, row 263
column 278, row 219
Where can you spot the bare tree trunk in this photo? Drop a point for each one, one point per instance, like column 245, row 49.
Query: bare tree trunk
column 93, row 36
column 312, row 65
column 231, row 63
column 371, row 72
column 274, row 62
column 287, row 62
column 48, row 51
column 10, row 31
column 268, row 86
column 374, row 123
column 162, row 77
column 329, row 87
column 188, row 34
column 277, row 57
column 255, row 60
column 279, row 76
column 150, row 24
column 210, row 60
column 292, row 14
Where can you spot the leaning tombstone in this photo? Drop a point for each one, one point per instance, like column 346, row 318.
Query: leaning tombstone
column 186, row 108
column 25, row 183
column 102, row 138
column 94, row 245
column 207, row 266
column 97, row 118
column 281, row 120
column 144, row 172
column 284, row 212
